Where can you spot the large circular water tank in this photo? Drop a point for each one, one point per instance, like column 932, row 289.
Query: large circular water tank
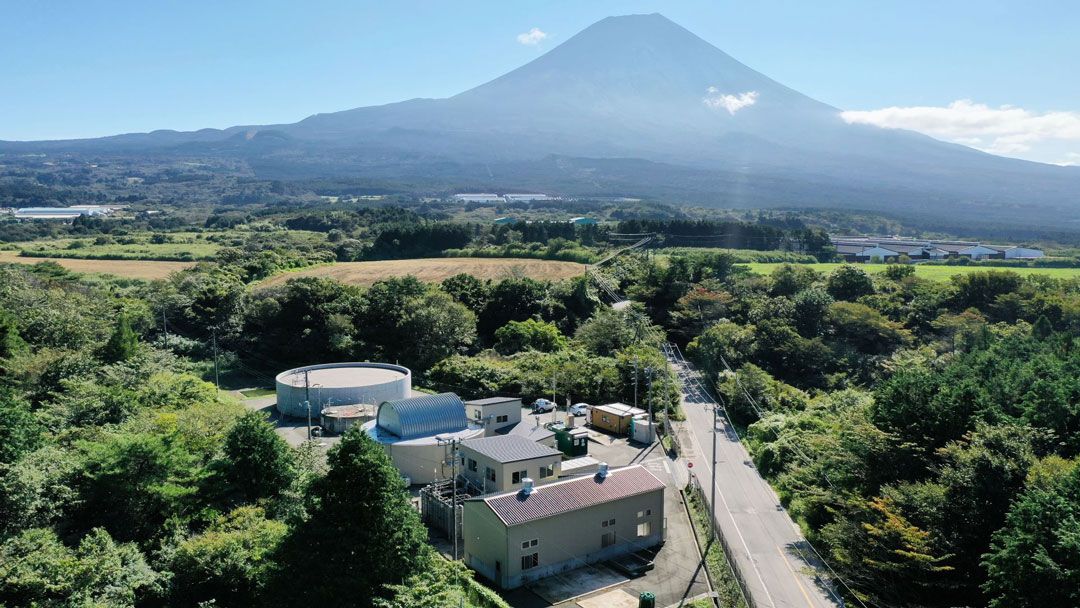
column 333, row 384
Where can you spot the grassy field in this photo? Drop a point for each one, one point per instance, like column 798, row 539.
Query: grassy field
column 934, row 273
column 435, row 269
column 143, row 269
column 184, row 250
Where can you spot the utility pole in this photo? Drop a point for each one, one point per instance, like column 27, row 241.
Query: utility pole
column 554, row 402
column 165, row 327
column 453, row 484
column 648, row 390
column 667, row 419
column 635, row 381
column 307, row 404
column 217, row 377
column 453, row 469
column 712, row 501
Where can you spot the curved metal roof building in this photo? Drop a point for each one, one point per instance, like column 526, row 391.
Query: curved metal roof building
column 423, row 416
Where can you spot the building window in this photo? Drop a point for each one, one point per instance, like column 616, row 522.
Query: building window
column 547, row 471
column 607, row 522
column 644, row 513
column 530, row 543
column 478, row 414
column 472, row 465
column 607, row 539
column 503, row 418
column 489, row 473
column 531, row 560
column 517, row 476
column 644, row 529
column 603, row 418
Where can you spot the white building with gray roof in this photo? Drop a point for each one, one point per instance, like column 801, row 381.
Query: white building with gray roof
column 503, row 462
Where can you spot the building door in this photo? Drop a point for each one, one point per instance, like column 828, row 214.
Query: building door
column 607, row 539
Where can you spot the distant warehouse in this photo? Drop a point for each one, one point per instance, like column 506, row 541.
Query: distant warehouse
column 61, row 213
column 893, row 248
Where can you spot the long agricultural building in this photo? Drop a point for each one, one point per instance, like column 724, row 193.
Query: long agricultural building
column 895, row 248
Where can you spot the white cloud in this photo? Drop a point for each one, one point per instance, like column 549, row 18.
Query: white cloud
column 1005, row 130
column 532, row 37
column 732, row 103
column 1072, row 159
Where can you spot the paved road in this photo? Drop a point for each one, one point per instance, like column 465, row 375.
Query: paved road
column 767, row 545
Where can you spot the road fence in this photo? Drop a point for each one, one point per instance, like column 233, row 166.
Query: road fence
column 698, row 493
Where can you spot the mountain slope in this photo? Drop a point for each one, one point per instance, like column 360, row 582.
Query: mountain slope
column 635, row 87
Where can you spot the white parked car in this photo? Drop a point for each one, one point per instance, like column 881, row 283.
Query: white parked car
column 579, row 409
column 543, row 405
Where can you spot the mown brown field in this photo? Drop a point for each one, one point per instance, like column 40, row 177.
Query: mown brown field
column 436, row 269
column 131, row 269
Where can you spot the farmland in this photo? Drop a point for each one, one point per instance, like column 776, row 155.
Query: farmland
column 130, row 269
column 173, row 247
column 435, row 269
column 934, row 273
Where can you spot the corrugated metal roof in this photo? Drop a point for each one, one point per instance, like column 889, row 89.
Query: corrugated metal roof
column 423, row 416
column 619, row 409
column 508, row 448
column 515, row 508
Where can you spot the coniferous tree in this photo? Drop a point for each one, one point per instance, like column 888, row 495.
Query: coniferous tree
column 122, row 344
column 363, row 533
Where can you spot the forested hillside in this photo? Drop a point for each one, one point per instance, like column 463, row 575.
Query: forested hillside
column 925, row 434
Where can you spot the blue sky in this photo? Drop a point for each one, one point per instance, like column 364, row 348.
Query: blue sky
column 80, row 69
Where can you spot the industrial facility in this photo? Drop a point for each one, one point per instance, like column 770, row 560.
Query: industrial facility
column 420, row 433
column 308, row 390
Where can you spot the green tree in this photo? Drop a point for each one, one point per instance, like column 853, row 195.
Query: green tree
column 751, row 389
column 123, row 344
column 697, row 310
column 530, row 334
column 433, row 328
column 511, row 300
column 725, row 341
column 1034, row 559
column 811, row 311
column 891, row 561
column 849, row 283
column 469, row 290
column 445, row 583
column 20, row 431
column 255, row 463
column 612, row 330
column 362, row 528
column 36, row 569
column 865, row 329
column 981, row 476
column 899, row 272
column 790, row 279
column 131, row 484
column 11, row 343
column 229, row 563
column 1042, row 329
